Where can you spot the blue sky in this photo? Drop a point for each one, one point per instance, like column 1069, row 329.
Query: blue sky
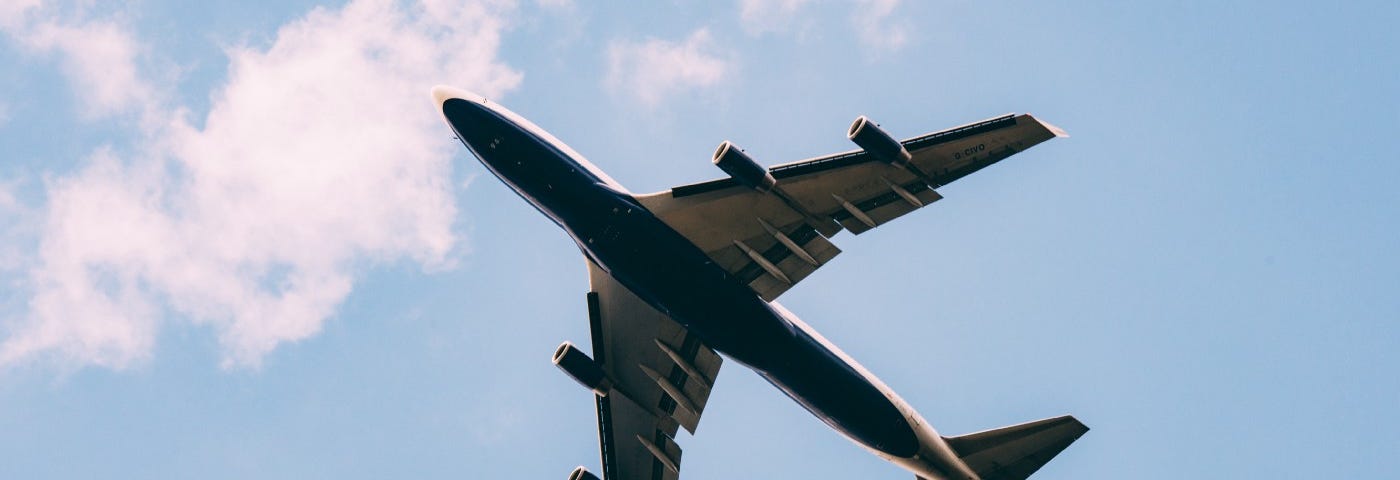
column 237, row 242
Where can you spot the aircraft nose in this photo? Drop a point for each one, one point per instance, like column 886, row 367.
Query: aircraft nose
column 442, row 93
column 476, row 124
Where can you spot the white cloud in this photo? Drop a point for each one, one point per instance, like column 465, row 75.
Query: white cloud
column 874, row 24
column 13, row 11
column 320, row 155
column 99, row 58
column 653, row 69
column 768, row 16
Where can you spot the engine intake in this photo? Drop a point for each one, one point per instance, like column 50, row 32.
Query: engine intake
column 582, row 368
column 742, row 168
column 581, row 473
column 870, row 137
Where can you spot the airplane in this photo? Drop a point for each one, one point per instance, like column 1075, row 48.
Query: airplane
column 681, row 276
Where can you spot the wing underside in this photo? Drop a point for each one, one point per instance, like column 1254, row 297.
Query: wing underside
column 661, row 380
column 772, row 240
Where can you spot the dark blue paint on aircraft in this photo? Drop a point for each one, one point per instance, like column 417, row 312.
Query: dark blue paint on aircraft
column 668, row 272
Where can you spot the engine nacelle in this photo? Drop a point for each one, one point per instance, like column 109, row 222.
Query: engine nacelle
column 582, row 368
column 742, row 168
column 581, row 473
column 870, row 137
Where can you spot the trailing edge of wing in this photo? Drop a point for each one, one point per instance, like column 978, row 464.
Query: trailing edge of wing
column 770, row 240
column 660, row 378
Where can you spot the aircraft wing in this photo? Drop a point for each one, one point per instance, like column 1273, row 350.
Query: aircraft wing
column 772, row 240
column 660, row 378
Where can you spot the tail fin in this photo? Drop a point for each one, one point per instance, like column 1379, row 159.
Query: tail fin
column 1015, row 452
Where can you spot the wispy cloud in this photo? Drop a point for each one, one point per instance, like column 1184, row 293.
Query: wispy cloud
column 877, row 26
column 320, row 155
column 653, row 69
column 767, row 16
column 16, row 223
column 12, row 12
column 556, row 5
column 100, row 59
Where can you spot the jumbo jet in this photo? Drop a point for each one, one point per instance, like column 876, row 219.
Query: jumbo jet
column 679, row 278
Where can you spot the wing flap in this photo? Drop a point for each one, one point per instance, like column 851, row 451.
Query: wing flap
column 881, row 209
column 661, row 378
column 633, row 438
column 773, row 261
column 813, row 199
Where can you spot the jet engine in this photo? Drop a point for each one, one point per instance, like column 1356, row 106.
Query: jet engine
column 582, row 368
column 581, row 473
column 870, row 137
column 742, row 168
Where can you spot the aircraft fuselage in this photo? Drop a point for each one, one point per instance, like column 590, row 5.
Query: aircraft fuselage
column 671, row 274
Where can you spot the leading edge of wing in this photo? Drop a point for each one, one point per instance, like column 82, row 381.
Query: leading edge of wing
column 854, row 157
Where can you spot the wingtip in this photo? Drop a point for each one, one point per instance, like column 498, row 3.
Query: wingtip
column 1059, row 132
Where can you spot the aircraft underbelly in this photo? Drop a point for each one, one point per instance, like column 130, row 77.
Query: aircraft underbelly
column 667, row 271
column 671, row 274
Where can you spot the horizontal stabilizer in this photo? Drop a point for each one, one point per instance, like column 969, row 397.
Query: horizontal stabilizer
column 1015, row 452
